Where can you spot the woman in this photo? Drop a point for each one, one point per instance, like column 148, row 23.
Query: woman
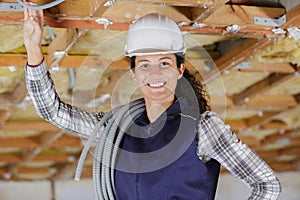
column 158, row 154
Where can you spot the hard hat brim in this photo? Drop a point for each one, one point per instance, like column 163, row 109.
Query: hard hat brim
column 151, row 51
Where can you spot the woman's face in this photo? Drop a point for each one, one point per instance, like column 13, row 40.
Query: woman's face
column 157, row 75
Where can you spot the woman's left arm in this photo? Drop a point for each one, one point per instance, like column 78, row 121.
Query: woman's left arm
column 218, row 141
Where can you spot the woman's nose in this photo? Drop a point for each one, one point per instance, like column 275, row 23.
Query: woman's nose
column 155, row 69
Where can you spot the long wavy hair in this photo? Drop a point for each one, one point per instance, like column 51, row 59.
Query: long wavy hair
column 181, row 90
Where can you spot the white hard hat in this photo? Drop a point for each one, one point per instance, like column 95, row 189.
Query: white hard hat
column 154, row 34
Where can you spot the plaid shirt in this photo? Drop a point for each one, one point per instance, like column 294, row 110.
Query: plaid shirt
column 215, row 139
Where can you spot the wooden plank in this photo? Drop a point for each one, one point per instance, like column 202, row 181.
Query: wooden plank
column 55, row 158
column 31, row 142
column 29, row 125
column 10, row 158
column 242, row 16
column 273, row 102
column 240, row 55
column 259, row 120
column 48, row 138
column 236, row 125
column 74, row 61
column 250, row 141
column 77, row 61
column 292, row 18
column 34, row 142
column 268, row 154
column 87, row 23
column 266, row 119
column 201, row 13
column 282, row 166
column 11, row 99
column 274, row 125
column 66, row 141
column 59, row 44
column 35, row 170
column 17, row 60
column 3, row 171
column 188, row 3
column 236, row 56
column 278, row 136
column 270, row 67
column 76, row 9
column 261, row 86
column 45, row 140
column 266, row 103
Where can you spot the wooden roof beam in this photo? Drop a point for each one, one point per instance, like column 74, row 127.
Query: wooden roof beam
column 269, row 67
column 267, row 116
column 34, row 142
column 259, row 87
column 274, row 138
column 292, row 18
column 238, row 55
column 269, row 102
column 45, row 140
column 76, row 61
column 29, row 142
column 187, row 3
column 258, row 120
column 70, row 168
column 79, row 16
column 206, row 10
column 61, row 45
column 10, row 100
column 282, row 166
column 33, row 125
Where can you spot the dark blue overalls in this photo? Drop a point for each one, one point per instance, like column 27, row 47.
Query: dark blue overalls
column 185, row 178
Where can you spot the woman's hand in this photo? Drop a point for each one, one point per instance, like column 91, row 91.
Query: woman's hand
column 32, row 34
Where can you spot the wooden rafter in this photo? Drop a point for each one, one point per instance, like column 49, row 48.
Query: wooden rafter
column 270, row 68
column 38, row 126
column 118, row 15
column 266, row 117
column 236, row 56
column 34, row 142
column 46, row 139
column 259, row 87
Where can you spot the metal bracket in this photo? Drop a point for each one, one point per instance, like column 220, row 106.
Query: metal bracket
column 270, row 21
column 14, row 7
column 244, row 65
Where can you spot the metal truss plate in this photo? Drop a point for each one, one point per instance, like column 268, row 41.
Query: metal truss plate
column 12, row 7
column 270, row 21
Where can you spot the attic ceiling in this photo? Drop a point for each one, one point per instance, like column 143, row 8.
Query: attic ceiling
column 246, row 53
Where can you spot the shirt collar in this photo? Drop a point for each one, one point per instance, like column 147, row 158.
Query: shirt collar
column 176, row 108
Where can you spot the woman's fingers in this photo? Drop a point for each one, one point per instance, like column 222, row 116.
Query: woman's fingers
column 35, row 16
column 26, row 12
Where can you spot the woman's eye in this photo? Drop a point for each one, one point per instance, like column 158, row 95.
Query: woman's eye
column 164, row 64
column 144, row 66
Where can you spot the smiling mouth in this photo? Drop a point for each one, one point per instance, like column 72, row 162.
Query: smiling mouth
column 157, row 84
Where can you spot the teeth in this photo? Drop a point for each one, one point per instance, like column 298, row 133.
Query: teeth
column 156, row 84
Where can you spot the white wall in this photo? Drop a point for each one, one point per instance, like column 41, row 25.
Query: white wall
column 75, row 190
column 40, row 190
column 229, row 188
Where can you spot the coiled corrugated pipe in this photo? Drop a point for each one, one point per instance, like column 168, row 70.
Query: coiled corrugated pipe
column 111, row 128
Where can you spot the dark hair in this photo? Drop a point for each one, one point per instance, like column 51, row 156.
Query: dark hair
column 181, row 90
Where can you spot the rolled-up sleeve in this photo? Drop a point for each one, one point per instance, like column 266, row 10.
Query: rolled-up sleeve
column 48, row 105
column 216, row 140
